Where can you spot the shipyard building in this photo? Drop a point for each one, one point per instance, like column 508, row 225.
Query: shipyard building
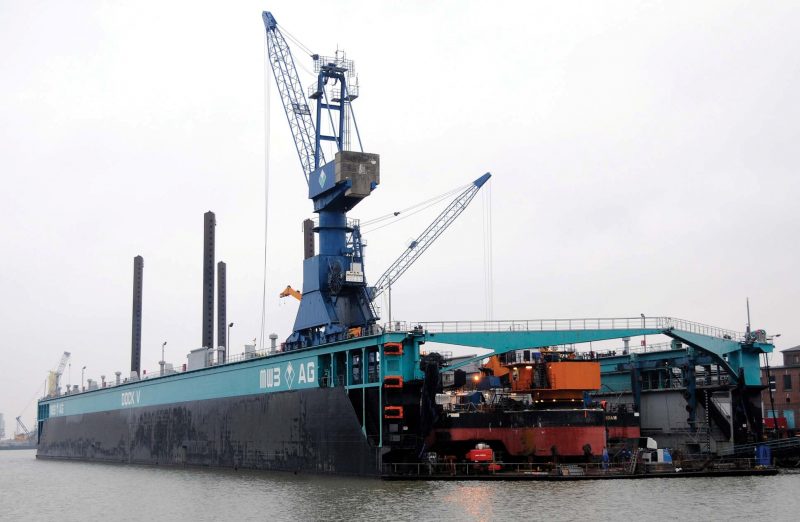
column 786, row 391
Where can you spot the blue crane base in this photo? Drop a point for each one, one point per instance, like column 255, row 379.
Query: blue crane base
column 335, row 299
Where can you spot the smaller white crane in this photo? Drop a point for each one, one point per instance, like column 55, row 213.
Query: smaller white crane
column 54, row 378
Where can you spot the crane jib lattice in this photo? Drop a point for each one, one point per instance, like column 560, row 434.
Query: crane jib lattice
column 428, row 236
column 293, row 97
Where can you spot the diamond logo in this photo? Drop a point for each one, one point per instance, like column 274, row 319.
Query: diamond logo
column 289, row 374
column 322, row 178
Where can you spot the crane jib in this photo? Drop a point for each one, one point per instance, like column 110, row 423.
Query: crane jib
column 428, row 236
column 293, row 97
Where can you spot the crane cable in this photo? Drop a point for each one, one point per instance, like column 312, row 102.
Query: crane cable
column 487, row 251
column 297, row 42
column 267, row 99
column 433, row 199
column 408, row 212
column 43, row 387
column 302, row 47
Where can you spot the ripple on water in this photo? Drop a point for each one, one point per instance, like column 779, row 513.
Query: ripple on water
column 35, row 490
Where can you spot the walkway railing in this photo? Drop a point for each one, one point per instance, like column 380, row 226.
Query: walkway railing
column 634, row 466
column 776, row 445
column 168, row 370
column 703, row 329
column 605, row 323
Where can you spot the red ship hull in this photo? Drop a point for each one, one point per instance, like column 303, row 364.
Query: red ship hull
column 524, row 434
column 568, row 441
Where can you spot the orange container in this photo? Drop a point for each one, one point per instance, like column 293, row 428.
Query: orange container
column 574, row 375
column 393, row 349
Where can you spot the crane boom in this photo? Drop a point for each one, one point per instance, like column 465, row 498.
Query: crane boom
column 292, row 96
column 21, row 428
column 54, row 377
column 62, row 363
column 434, row 230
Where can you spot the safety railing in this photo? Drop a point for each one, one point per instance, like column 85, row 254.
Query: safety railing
column 703, row 329
column 649, row 348
column 349, row 222
column 166, row 372
column 467, row 469
column 400, row 326
column 776, row 445
column 246, row 356
column 603, row 323
column 543, row 325
column 627, row 467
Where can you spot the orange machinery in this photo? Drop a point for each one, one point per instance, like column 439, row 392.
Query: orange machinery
column 546, row 380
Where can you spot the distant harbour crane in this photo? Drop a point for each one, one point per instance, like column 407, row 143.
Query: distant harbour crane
column 54, row 377
column 21, row 433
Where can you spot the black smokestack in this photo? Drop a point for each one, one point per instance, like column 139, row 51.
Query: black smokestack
column 210, row 221
column 221, row 306
column 136, row 324
column 308, row 239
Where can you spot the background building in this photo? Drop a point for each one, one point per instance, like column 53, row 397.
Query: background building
column 787, row 389
column 471, row 370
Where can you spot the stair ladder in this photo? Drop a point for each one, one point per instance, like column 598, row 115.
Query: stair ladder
column 634, row 461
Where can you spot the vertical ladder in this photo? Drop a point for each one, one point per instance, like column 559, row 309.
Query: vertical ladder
column 634, row 460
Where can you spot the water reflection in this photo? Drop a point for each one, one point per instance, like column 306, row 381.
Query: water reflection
column 35, row 490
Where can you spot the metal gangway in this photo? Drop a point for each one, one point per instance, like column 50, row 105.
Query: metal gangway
column 604, row 323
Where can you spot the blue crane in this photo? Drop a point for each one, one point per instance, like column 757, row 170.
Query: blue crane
column 335, row 296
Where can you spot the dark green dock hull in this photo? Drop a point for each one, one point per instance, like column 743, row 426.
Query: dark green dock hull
column 313, row 430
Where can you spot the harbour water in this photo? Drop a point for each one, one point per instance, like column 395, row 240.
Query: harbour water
column 33, row 489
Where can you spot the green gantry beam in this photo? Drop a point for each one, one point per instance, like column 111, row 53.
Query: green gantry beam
column 502, row 342
column 733, row 353
column 738, row 355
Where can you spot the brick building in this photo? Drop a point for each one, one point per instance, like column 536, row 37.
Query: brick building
column 787, row 389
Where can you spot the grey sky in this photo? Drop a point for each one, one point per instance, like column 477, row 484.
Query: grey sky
column 644, row 159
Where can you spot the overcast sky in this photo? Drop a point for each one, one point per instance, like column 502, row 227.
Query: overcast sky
column 644, row 160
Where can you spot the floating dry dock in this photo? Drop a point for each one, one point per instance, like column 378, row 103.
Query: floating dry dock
column 363, row 406
column 345, row 394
